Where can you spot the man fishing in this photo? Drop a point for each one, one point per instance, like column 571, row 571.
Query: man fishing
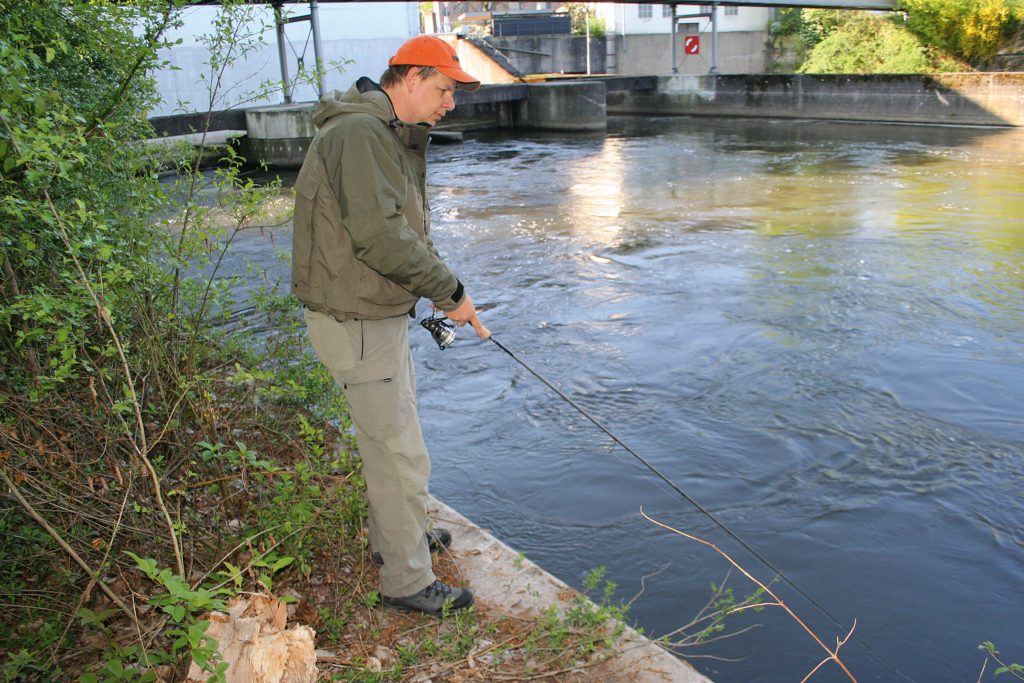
column 362, row 258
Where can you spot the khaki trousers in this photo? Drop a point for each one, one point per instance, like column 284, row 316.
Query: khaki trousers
column 372, row 362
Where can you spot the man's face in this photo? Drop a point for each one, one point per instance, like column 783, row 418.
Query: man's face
column 432, row 97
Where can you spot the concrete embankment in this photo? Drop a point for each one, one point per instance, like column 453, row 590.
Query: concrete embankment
column 279, row 135
column 977, row 99
column 505, row 581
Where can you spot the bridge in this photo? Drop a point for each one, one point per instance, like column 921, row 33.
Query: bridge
column 889, row 5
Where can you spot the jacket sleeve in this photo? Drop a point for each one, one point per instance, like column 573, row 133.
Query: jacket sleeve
column 370, row 186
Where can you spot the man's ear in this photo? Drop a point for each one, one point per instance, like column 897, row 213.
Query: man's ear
column 412, row 77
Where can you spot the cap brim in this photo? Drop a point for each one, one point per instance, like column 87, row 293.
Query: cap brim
column 463, row 81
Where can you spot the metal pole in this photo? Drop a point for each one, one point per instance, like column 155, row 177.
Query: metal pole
column 281, row 54
column 318, row 49
column 675, row 21
column 586, row 15
column 714, row 37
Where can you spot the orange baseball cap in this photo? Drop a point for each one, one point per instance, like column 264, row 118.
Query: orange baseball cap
column 432, row 51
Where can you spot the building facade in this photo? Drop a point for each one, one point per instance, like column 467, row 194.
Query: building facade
column 639, row 38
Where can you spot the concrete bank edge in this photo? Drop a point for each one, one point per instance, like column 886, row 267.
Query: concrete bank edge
column 504, row 580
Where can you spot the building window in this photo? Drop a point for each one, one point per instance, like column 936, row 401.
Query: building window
column 731, row 11
column 645, row 10
column 705, row 9
column 666, row 10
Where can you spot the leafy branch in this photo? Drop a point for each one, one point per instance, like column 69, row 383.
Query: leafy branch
column 1015, row 670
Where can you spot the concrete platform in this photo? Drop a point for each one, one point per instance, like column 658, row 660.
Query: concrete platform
column 167, row 149
column 505, row 581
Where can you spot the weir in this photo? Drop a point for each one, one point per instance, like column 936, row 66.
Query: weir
column 279, row 135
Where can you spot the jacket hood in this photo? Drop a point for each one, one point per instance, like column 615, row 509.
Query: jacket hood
column 364, row 97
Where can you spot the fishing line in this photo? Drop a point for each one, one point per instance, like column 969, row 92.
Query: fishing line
column 710, row 515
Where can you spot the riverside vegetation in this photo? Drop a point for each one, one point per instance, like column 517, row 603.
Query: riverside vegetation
column 157, row 456
column 923, row 36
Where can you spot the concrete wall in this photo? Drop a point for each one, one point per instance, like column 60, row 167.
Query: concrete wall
column 573, row 106
column 478, row 63
column 987, row 99
column 551, row 53
column 280, row 134
column 739, row 52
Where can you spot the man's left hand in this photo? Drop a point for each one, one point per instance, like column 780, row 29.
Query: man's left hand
column 466, row 313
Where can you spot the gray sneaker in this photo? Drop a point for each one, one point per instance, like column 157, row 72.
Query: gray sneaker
column 432, row 599
column 437, row 540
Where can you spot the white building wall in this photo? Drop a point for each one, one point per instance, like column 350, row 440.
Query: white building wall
column 623, row 18
column 367, row 33
column 641, row 44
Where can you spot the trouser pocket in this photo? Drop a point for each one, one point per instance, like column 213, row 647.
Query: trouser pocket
column 371, row 361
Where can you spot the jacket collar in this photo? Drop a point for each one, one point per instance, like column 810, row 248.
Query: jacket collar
column 415, row 136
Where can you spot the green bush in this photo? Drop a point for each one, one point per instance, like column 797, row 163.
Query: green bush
column 74, row 187
column 866, row 44
column 970, row 30
column 818, row 24
column 117, row 371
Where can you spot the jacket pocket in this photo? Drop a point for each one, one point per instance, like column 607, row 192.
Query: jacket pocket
column 306, row 187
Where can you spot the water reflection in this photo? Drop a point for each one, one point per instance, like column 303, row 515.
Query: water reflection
column 596, row 190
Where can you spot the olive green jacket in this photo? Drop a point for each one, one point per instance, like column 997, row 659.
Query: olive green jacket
column 361, row 246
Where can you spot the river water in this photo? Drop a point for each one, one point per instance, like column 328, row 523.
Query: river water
column 816, row 330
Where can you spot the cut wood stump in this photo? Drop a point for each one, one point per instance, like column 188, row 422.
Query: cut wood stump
column 253, row 640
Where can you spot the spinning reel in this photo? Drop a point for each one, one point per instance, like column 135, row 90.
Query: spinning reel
column 441, row 329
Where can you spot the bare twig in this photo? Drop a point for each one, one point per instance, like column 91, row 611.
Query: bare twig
column 67, row 548
column 139, row 445
column 833, row 655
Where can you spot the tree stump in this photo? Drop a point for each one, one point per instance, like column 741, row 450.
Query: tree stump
column 253, row 640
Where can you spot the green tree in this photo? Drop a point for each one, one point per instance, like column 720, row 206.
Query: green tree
column 866, row 43
column 579, row 14
column 972, row 30
column 817, row 24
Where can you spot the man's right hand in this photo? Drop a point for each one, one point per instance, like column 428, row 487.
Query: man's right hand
column 466, row 313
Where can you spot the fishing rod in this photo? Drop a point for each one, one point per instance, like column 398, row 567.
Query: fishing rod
column 443, row 333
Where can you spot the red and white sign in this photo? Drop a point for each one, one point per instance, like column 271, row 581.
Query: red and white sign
column 691, row 45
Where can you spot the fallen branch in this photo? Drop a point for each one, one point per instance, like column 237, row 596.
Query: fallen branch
column 67, row 548
column 833, row 655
